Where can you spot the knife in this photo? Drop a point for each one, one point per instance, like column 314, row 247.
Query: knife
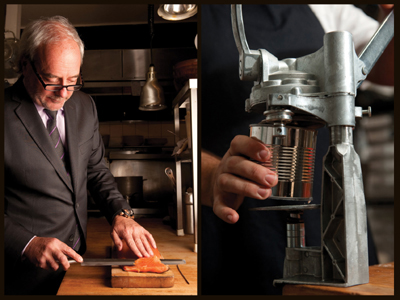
column 98, row 262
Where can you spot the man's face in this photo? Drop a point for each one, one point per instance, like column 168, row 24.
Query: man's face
column 56, row 64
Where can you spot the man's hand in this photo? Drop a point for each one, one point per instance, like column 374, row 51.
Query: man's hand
column 49, row 253
column 237, row 177
column 136, row 237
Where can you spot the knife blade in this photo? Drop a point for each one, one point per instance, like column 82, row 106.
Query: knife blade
column 98, row 262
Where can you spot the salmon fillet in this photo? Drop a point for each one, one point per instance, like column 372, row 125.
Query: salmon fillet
column 147, row 265
column 151, row 264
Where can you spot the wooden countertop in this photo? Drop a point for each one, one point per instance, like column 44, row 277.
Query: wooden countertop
column 381, row 282
column 97, row 280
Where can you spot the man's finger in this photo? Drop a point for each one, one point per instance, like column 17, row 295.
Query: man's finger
column 245, row 168
column 73, row 254
column 224, row 208
column 150, row 238
column 141, row 248
column 245, row 146
column 52, row 263
column 132, row 245
column 229, row 183
column 117, row 240
column 147, row 246
column 63, row 261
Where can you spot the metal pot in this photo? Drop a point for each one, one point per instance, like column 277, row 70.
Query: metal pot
column 131, row 187
column 10, row 56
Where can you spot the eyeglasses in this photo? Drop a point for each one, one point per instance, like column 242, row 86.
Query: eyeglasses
column 58, row 87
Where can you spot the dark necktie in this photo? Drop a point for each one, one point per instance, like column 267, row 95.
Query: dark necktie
column 59, row 147
column 55, row 136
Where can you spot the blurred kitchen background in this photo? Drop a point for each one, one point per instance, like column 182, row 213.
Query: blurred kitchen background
column 374, row 142
column 139, row 144
column 121, row 41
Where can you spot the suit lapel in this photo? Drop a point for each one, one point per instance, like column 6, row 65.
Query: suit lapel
column 29, row 117
column 72, row 137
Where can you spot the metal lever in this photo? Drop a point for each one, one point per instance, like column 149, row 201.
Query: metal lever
column 377, row 44
column 247, row 58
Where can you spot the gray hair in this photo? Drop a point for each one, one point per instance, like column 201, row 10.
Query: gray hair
column 43, row 31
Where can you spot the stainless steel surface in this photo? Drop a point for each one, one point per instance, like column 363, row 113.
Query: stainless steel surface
column 292, row 158
column 378, row 43
column 131, row 187
column 152, row 96
column 99, row 262
column 131, row 64
column 157, row 190
column 11, row 46
column 343, row 212
column 134, row 154
column 176, row 12
column 170, row 175
column 189, row 213
column 188, row 94
column 124, row 71
column 289, row 207
column 314, row 90
column 295, row 235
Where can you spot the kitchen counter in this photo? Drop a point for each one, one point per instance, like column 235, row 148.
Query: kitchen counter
column 381, row 282
column 97, row 280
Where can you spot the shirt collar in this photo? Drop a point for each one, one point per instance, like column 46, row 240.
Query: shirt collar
column 41, row 108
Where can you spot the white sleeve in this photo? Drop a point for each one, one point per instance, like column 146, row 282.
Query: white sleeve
column 348, row 18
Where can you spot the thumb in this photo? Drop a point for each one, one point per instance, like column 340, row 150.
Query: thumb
column 225, row 209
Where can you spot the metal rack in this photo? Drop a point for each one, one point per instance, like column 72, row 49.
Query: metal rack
column 187, row 95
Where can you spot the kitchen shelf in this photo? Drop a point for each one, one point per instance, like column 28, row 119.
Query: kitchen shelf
column 134, row 155
column 187, row 98
column 185, row 157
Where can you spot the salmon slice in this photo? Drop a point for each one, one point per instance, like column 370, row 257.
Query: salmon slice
column 151, row 264
column 147, row 265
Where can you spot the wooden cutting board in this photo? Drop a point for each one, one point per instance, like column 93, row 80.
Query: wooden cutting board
column 123, row 279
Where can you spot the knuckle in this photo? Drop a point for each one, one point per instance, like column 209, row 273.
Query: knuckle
column 41, row 262
column 222, row 180
column 231, row 163
column 234, row 141
column 255, row 170
column 247, row 188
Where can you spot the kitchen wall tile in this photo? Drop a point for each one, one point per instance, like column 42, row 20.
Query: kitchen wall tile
column 104, row 129
column 115, row 141
column 116, row 130
column 129, row 129
column 167, row 125
column 171, row 141
column 155, row 129
column 142, row 128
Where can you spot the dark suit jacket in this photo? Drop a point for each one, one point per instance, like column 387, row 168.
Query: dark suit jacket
column 40, row 199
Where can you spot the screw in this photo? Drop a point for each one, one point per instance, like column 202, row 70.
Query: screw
column 364, row 71
column 367, row 112
column 280, row 97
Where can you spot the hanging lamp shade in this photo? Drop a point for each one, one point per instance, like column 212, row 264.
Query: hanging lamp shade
column 152, row 95
column 176, row 12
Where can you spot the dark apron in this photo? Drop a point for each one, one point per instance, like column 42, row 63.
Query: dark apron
column 246, row 257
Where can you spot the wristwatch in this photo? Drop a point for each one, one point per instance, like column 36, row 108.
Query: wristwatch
column 127, row 213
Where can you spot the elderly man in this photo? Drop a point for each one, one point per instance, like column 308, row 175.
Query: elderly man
column 53, row 154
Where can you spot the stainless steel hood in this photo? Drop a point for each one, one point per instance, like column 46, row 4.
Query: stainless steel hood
column 123, row 71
